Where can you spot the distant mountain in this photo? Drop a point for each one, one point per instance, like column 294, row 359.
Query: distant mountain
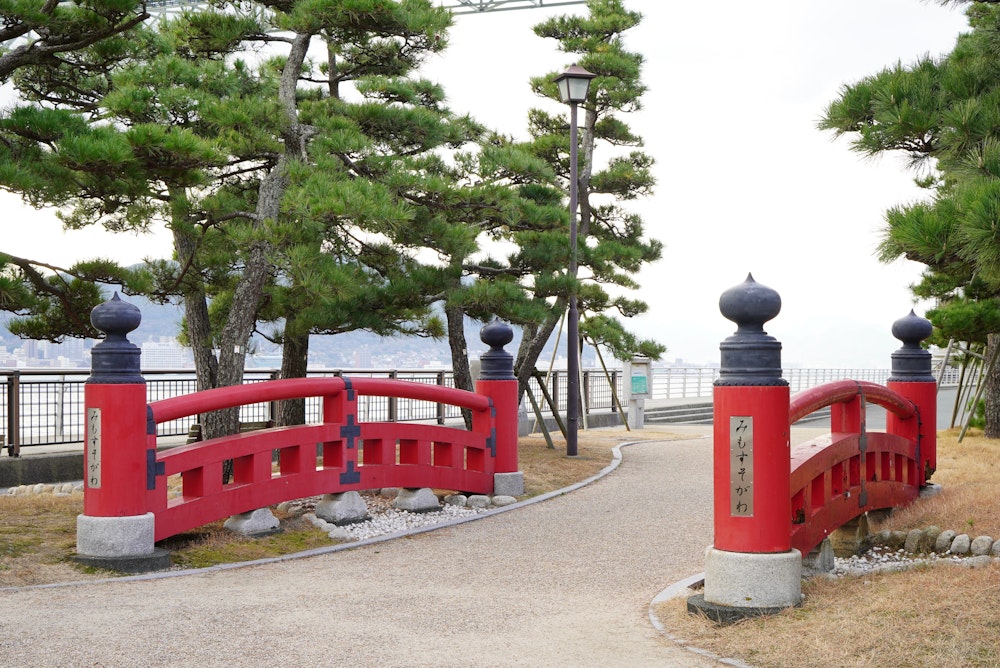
column 350, row 350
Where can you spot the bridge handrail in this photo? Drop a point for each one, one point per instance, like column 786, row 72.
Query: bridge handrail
column 173, row 408
column 842, row 391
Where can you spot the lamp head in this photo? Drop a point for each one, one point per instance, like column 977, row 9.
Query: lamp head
column 574, row 84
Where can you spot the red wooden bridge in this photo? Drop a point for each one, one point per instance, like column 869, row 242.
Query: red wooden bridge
column 127, row 505
column 339, row 455
column 846, row 473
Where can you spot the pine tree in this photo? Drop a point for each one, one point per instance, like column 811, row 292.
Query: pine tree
column 943, row 114
column 611, row 243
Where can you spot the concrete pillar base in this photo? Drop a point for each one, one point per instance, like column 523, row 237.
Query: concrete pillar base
column 751, row 584
column 508, row 484
column 122, row 544
column 129, row 536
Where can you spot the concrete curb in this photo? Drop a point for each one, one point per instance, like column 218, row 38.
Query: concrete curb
column 680, row 589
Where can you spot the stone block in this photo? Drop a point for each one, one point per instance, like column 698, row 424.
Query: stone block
column 820, row 560
column 913, row 539
column 981, row 546
column 943, row 542
column 258, row 522
column 897, row 540
column 929, row 541
column 508, row 484
column 343, row 508
column 961, row 545
column 422, row 500
column 981, row 561
column 479, row 501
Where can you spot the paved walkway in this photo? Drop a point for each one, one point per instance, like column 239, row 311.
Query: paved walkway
column 564, row 582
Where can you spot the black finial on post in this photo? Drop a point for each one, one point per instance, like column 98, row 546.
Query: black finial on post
column 750, row 356
column 911, row 363
column 115, row 359
column 497, row 363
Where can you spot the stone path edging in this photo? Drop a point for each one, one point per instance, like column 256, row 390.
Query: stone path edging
column 677, row 590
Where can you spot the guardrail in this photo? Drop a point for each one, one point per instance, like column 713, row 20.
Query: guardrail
column 44, row 407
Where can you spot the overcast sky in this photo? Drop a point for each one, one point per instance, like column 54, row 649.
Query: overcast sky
column 746, row 183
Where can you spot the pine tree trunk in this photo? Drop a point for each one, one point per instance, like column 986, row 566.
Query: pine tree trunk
column 532, row 343
column 459, row 354
column 992, row 393
column 199, row 327
column 294, row 362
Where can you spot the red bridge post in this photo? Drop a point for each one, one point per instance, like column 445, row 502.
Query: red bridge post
column 751, row 568
column 913, row 379
column 116, row 529
column 497, row 381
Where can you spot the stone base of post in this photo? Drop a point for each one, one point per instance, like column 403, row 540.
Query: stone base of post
column 742, row 584
column 637, row 413
column 343, row 508
column 417, row 500
column 256, row 523
column 123, row 544
column 508, row 484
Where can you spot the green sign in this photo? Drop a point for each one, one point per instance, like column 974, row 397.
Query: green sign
column 640, row 385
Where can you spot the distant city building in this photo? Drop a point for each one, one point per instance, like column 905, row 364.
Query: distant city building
column 164, row 353
column 362, row 358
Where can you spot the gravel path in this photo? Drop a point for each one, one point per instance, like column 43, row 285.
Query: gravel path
column 565, row 582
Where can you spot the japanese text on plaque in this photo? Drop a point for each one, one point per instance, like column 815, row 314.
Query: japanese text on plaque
column 94, row 448
column 741, row 466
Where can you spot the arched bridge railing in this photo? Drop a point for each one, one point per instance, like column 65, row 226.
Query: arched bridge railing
column 339, row 455
column 843, row 474
column 126, row 505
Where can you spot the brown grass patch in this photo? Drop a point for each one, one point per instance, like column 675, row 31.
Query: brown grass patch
column 37, row 537
column 941, row 616
column 968, row 473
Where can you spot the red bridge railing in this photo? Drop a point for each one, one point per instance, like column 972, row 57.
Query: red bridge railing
column 841, row 475
column 342, row 454
column 127, row 504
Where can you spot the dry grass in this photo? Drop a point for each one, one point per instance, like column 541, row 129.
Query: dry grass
column 968, row 473
column 933, row 616
column 213, row 544
column 546, row 469
column 37, row 535
column 941, row 616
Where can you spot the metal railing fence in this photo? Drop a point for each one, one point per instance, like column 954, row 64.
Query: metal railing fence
column 44, row 407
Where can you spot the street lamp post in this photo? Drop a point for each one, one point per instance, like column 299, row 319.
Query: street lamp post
column 574, row 85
